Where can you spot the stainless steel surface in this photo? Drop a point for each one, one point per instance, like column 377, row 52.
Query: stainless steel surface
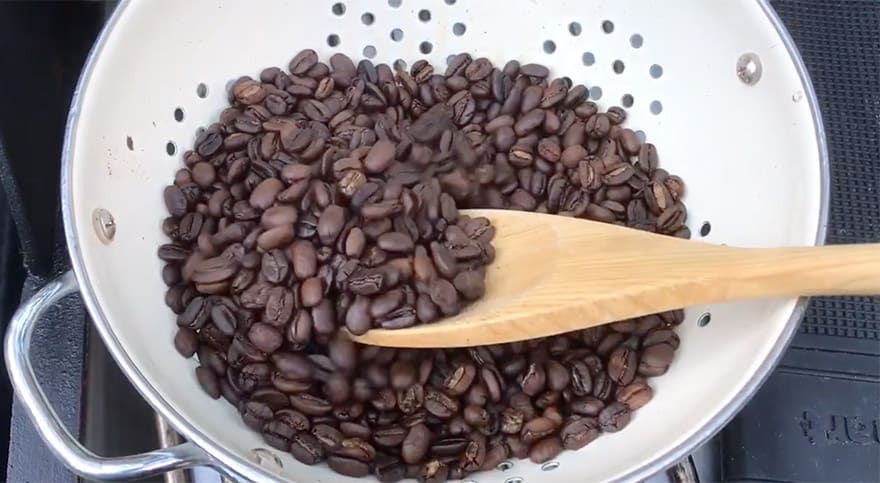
column 168, row 437
column 70, row 451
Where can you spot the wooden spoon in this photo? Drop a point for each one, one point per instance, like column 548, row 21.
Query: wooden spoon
column 555, row 274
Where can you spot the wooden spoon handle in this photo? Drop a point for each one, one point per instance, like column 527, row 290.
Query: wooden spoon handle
column 828, row 270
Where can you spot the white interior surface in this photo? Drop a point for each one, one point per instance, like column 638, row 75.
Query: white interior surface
column 749, row 155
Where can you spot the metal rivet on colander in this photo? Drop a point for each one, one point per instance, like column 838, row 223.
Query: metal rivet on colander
column 749, row 69
column 797, row 96
column 267, row 459
column 104, row 224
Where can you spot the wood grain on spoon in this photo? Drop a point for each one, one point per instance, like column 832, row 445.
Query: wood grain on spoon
column 556, row 274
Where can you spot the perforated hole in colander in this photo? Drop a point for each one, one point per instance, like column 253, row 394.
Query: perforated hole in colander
column 636, row 41
column 704, row 319
column 202, row 90
column 656, row 107
column 656, row 71
column 588, row 58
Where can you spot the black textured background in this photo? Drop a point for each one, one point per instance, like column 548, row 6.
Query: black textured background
column 818, row 416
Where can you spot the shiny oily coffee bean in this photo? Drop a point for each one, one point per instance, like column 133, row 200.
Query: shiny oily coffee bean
column 332, row 195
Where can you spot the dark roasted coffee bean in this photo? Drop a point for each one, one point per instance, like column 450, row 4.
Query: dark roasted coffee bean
column 208, row 380
column 310, row 405
column 306, row 449
column 416, row 443
column 622, row 365
column 439, row 404
column 534, row 379
column 357, row 318
column 655, row 360
column 577, row 433
column 265, row 337
column 389, row 436
column 587, row 406
column 195, row 315
column 348, row 466
column 444, row 295
column 537, row 429
column 460, row 379
column 635, row 395
column 330, row 196
column 557, row 375
column 545, row 450
column 614, row 417
column 186, row 342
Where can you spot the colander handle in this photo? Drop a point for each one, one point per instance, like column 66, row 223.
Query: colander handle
column 73, row 454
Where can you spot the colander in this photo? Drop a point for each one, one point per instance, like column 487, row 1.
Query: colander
column 717, row 86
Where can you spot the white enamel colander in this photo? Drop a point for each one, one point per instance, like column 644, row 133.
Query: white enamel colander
column 718, row 86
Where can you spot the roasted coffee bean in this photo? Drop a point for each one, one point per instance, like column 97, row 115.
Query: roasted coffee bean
column 545, row 450
column 635, row 395
column 186, row 342
column 306, row 449
column 557, row 375
column 310, row 405
column 460, row 379
column 439, row 404
column 389, row 436
column 416, row 443
column 348, row 466
column 534, row 379
column 622, row 365
column 195, row 315
column 614, row 417
column 577, row 433
column 511, row 420
column 208, row 380
column 342, row 352
column 330, row 197
column 655, row 360
column 537, row 429
column 444, row 295
column 265, row 337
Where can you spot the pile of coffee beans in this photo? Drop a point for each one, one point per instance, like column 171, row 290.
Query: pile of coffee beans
column 327, row 196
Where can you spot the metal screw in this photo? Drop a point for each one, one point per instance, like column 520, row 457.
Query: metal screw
column 104, row 224
column 749, row 69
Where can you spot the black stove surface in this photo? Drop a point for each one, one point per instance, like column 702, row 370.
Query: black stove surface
column 816, row 419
